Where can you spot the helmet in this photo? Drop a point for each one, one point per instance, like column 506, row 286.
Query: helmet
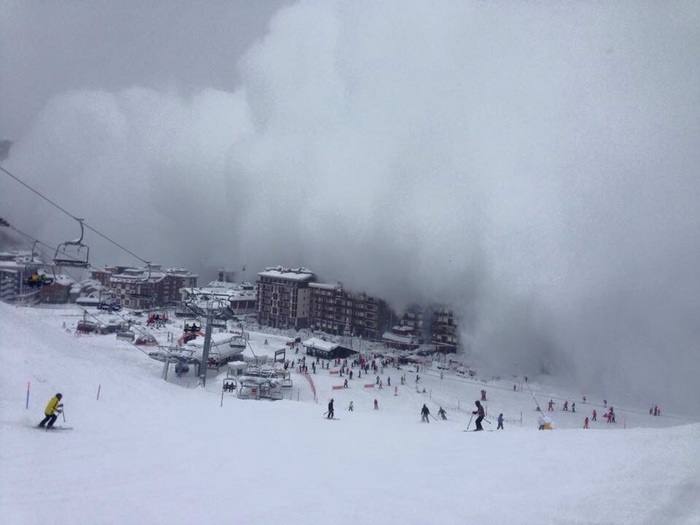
column 59, row 396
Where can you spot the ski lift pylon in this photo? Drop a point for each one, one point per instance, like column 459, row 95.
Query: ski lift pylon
column 79, row 256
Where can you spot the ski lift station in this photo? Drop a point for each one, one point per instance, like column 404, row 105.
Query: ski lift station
column 224, row 347
column 326, row 349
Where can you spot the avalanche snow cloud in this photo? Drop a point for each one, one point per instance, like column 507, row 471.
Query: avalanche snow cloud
column 534, row 165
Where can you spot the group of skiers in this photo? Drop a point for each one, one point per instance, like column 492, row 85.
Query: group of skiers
column 609, row 415
column 38, row 280
column 479, row 412
column 159, row 320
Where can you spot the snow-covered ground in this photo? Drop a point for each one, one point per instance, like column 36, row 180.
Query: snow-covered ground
column 156, row 451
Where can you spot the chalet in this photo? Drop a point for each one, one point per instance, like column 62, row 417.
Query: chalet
column 326, row 349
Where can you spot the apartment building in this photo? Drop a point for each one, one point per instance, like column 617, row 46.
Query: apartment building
column 284, row 297
column 224, row 296
column 15, row 268
column 444, row 329
column 339, row 312
column 145, row 288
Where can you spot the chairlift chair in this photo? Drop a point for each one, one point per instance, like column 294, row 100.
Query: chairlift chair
column 73, row 254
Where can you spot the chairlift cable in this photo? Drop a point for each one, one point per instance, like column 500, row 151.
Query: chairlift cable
column 105, row 237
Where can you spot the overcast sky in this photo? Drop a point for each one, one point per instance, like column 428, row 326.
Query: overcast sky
column 533, row 164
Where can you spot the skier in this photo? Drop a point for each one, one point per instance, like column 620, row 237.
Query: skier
column 566, row 406
column 550, row 407
column 331, row 413
column 480, row 416
column 483, row 395
column 53, row 408
column 595, row 415
column 500, row 422
column 442, row 413
column 573, row 407
column 424, row 414
column 376, row 404
column 351, row 407
column 585, row 423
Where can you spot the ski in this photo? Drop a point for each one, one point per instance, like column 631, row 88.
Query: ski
column 46, row 429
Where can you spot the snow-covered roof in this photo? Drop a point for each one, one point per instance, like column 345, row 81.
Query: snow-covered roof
column 180, row 272
column 135, row 275
column 326, row 286
column 320, row 344
column 389, row 336
column 297, row 274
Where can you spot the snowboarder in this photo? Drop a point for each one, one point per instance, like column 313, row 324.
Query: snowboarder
column 442, row 413
column 53, row 408
column 424, row 414
column 480, row 415
column 500, row 422
column 331, row 413
column 351, row 407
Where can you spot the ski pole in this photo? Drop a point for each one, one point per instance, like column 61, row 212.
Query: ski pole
column 470, row 421
column 489, row 422
column 63, row 413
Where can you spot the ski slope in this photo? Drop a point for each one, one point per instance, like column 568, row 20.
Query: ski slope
column 155, row 451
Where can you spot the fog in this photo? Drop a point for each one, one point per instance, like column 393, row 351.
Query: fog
column 533, row 166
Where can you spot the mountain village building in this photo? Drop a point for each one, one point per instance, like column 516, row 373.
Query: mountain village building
column 339, row 312
column 284, row 297
column 145, row 288
column 232, row 298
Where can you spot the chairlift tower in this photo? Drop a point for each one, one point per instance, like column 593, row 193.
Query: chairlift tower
column 204, row 365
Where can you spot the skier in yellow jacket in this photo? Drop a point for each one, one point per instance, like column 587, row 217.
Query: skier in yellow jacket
column 53, row 408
